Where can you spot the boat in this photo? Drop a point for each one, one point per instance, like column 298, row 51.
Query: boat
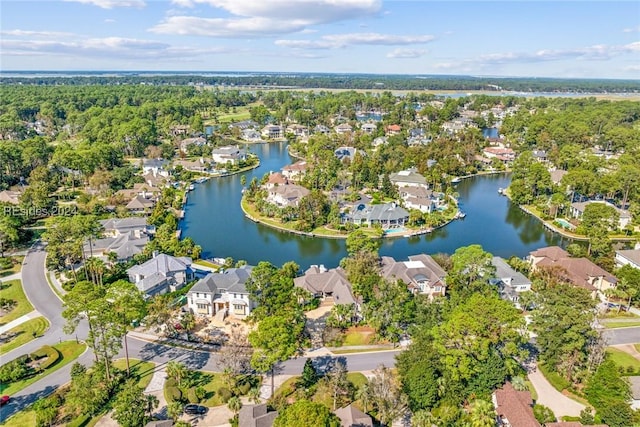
column 456, row 180
column 202, row 179
column 501, row 191
column 460, row 214
column 191, row 187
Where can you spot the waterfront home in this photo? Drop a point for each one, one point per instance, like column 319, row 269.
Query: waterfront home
column 256, row 416
column 408, row 178
column 329, row 285
column 387, row 215
column 125, row 246
column 579, row 272
column 244, row 124
column 628, row 257
column 500, row 153
column 393, row 130
column 514, row 408
column 115, row 227
column 141, row 204
column 198, row 165
column 576, row 210
column 161, row 274
column 350, row 416
column 251, row 135
column 223, row 292
column 228, row 154
column 298, row 130
column 272, row 131
column 295, row 171
column 420, row 198
column 286, row 195
column 155, row 166
column 186, row 143
column 510, row 283
column 420, row 273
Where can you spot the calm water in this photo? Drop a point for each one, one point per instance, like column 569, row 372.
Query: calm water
column 215, row 221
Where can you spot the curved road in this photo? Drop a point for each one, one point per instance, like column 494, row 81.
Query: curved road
column 49, row 305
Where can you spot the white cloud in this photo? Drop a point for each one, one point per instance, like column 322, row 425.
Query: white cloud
column 406, row 53
column 109, row 47
column 635, row 29
column 264, row 17
column 110, row 4
column 336, row 41
column 29, row 33
column 109, row 21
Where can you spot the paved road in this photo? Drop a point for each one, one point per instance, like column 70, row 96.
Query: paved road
column 619, row 336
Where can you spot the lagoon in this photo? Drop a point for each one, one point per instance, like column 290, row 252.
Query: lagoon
column 215, row 221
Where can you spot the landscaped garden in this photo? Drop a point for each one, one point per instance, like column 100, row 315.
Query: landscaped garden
column 13, row 302
column 22, row 334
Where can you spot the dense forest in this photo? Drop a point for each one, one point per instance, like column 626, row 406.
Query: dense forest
column 334, row 81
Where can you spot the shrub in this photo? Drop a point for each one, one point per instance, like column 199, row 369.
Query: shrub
column 201, row 392
column 543, row 414
column 173, row 394
column 170, row 382
column 557, row 381
column 192, row 397
column 225, row 394
column 243, row 388
column 52, row 357
column 14, row 370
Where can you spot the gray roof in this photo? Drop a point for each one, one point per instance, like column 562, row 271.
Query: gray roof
column 232, row 280
column 161, row 263
column 418, row 268
column 150, row 282
column 334, row 281
column 256, row 416
column 139, row 202
column 632, row 255
column 125, row 245
column 383, row 212
column 350, row 416
column 124, row 224
column 408, row 176
column 504, row 270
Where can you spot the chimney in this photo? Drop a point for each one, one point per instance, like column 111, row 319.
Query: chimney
column 154, row 254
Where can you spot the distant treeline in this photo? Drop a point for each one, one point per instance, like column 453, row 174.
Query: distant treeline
column 345, row 81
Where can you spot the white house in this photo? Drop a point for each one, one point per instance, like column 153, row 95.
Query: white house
column 161, row 274
column 230, row 153
column 408, row 178
column 628, row 257
column 223, row 292
column 576, row 210
column 510, row 283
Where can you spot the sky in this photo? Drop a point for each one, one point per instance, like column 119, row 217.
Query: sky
column 563, row 39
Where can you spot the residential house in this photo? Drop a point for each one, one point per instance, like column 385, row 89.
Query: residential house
column 155, row 166
column 228, row 154
column 573, row 424
column 275, row 179
column 295, row 171
column 500, row 153
column 457, row 125
column 628, row 257
column 273, row 131
column 331, row 285
column 578, row 271
column 125, row 246
column 197, row 141
column 343, row 128
column 141, row 204
column 393, row 129
column 556, row 176
column 408, row 178
column 10, row 197
column 322, row 129
column 200, row 165
column 510, row 283
column 576, row 210
column 369, row 128
column 540, row 155
column 350, row 416
column 244, row 124
column 115, row 227
column 177, row 130
column 420, row 198
column 634, row 382
column 286, row 195
column 514, row 408
column 381, row 140
column 224, row 292
column 298, row 130
column 256, row 416
column 420, row 273
column 161, row 274
column 251, row 135
column 343, row 153
column 388, row 215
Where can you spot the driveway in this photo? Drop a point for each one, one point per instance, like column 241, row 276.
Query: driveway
column 617, row 336
column 548, row 396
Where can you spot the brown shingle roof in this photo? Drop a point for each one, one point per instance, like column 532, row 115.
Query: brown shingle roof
column 515, row 406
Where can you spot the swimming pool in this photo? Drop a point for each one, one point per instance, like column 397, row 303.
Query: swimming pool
column 565, row 224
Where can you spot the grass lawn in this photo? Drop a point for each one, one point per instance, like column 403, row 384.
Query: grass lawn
column 140, row 369
column 363, row 350
column 13, row 290
column 532, row 390
column 212, row 382
column 23, row 419
column 613, row 325
column 206, row 263
column 24, row 333
column 69, row 351
column 357, row 336
column 621, row 358
column 17, row 265
column 288, row 387
column 637, row 346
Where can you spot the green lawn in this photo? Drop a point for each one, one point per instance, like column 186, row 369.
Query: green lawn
column 140, row 369
column 206, row 263
column 621, row 358
column 357, row 337
column 212, row 382
column 532, row 390
column 637, row 346
column 69, row 351
column 13, row 290
column 25, row 333
column 17, row 265
column 613, row 325
column 25, row 418
column 363, row 350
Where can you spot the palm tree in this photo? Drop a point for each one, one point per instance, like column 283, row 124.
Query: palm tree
column 364, row 395
column 423, row 418
column 254, row 395
column 482, row 414
column 234, row 404
column 174, row 410
column 152, row 402
column 177, row 371
column 518, row 383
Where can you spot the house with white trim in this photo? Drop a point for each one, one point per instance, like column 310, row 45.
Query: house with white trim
column 222, row 292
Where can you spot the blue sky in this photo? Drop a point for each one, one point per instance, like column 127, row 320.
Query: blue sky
column 503, row 38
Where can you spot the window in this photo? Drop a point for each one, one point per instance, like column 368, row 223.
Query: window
column 235, row 295
column 202, row 306
column 438, row 288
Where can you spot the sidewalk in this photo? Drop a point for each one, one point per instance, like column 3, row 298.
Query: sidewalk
column 56, row 283
column 20, row 320
column 548, row 396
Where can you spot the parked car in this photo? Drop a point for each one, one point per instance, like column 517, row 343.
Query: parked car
column 193, row 409
column 4, row 400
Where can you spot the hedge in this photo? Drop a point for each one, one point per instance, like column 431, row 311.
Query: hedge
column 52, row 357
column 174, row 394
column 225, row 394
